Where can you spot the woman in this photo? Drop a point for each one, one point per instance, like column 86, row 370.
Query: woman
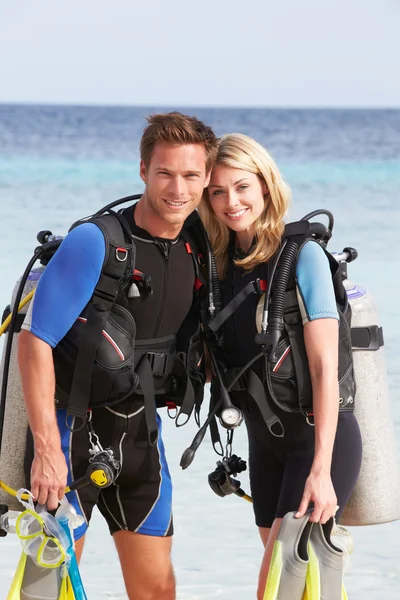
column 243, row 211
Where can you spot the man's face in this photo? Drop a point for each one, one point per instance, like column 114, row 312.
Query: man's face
column 175, row 180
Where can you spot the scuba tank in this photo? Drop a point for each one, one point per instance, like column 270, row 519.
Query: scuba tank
column 15, row 421
column 375, row 498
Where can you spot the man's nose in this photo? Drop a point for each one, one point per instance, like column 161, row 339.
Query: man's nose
column 177, row 186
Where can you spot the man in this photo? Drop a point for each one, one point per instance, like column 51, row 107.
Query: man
column 177, row 154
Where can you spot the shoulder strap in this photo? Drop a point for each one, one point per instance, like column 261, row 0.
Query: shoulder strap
column 115, row 275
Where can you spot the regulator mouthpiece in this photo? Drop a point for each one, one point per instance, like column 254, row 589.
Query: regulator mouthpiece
column 187, row 458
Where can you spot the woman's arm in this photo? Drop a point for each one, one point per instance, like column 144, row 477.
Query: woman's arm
column 321, row 341
column 317, row 303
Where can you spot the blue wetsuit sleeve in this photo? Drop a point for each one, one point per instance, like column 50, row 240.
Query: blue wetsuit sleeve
column 315, row 291
column 67, row 284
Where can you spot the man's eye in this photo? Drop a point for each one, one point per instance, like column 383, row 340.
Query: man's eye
column 192, row 175
column 243, row 187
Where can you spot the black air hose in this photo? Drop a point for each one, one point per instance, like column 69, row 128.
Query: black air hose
column 214, row 293
column 275, row 319
column 116, row 203
column 321, row 211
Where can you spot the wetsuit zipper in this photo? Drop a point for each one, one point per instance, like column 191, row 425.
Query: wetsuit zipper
column 165, row 248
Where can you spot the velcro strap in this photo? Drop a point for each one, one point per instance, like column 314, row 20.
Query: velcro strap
column 147, row 386
column 255, row 388
column 367, row 338
column 188, row 397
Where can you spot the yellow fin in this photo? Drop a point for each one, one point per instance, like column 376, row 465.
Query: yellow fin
column 313, row 587
column 344, row 593
column 274, row 573
column 15, row 589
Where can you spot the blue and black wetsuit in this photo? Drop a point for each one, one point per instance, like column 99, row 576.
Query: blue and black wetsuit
column 279, row 467
column 140, row 500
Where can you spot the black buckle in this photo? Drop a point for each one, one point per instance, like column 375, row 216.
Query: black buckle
column 367, row 338
column 158, row 362
column 3, row 511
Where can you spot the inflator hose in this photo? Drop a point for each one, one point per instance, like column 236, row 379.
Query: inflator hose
column 275, row 320
column 286, row 261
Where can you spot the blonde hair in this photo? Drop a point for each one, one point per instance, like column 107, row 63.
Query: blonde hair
column 239, row 151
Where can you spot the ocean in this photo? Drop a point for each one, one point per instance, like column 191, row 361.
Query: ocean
column 58, row 164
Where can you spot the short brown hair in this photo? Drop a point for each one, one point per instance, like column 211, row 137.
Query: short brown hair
column 178, row 129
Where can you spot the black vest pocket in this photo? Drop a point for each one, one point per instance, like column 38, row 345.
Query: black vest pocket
column 281, row 378
column 114, row 377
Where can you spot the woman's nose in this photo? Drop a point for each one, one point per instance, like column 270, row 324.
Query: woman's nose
column 231, row 199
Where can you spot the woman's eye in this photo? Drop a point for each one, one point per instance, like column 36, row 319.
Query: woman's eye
column 217, row 192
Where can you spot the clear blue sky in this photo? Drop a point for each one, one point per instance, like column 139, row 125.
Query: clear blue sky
column 213, row 52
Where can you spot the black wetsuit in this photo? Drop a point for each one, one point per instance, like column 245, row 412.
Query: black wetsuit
column 140, row 500
column 279, row 467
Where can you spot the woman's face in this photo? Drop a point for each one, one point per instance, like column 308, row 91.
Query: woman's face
column 236, row 197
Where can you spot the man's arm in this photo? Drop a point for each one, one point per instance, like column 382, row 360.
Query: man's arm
column 49, row 469
column 63, row 291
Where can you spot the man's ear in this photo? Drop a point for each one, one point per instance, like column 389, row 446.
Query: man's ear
column 143, row 172
column 208, row 177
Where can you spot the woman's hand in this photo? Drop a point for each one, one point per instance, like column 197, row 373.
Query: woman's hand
column 319, row 490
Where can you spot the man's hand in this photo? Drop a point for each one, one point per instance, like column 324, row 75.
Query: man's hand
column 49, row 476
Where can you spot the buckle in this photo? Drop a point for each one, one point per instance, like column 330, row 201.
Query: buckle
column 260, row 286
column 158, row 362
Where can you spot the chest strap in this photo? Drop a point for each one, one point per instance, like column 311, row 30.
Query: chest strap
column 254, row 287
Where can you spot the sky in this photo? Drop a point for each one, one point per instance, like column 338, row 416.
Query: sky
column 284, row 53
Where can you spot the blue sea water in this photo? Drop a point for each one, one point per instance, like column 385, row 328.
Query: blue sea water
column 60, row 163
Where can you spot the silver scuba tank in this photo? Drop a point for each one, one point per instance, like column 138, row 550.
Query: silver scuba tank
column 15, row 427
column 375, row 498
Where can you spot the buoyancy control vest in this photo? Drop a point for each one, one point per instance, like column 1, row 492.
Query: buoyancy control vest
column 283, row 377
column 100, row 362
